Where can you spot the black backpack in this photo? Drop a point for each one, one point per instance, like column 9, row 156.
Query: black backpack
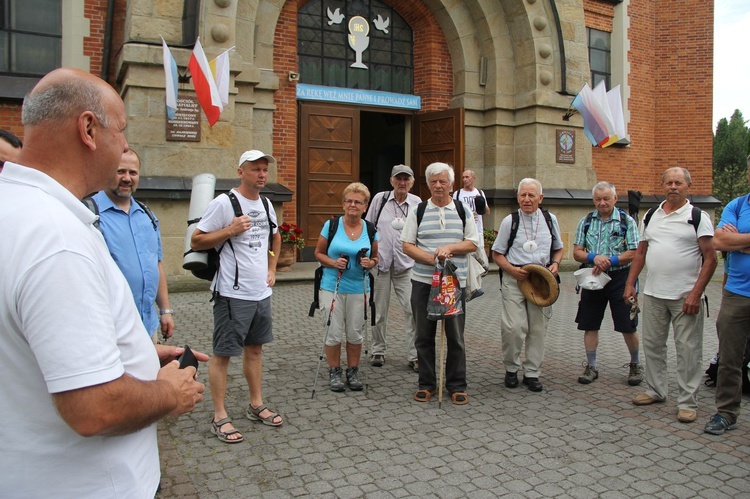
column 695, row 217
column 713, row 370
column 333, row 226
column 459, row 209
column 480, row 203
column 515, row 219
column 91, row 205
column 623, row 224
column 213, row 255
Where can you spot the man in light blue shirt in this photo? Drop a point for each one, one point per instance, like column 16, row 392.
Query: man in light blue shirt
column 131, row 231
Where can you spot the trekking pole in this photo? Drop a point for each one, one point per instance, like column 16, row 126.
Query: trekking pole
column 442, row 363
column 361, row 254
column 328, row 326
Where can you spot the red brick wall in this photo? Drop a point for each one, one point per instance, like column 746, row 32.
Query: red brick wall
column 598, row 15
column 684, row 89
column 93, row 47
column 671, row 72
column 10, row 117
column 285, row 100
column 433, row 80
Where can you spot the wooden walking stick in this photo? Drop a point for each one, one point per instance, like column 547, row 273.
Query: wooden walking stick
column 442, row 363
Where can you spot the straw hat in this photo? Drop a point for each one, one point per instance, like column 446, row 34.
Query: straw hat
column 541, row 287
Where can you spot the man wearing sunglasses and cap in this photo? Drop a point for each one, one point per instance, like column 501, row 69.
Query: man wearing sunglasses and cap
column 388, row 211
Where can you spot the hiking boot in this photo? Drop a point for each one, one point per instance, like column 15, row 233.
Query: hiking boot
column 352, row 379
column 337, row 384
column 718, row 424
column 635, row 376
column 589, row 374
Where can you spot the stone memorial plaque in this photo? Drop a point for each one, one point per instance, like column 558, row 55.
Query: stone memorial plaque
column 186, row 125
column 565, row 146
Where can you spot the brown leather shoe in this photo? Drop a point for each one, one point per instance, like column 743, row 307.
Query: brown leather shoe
column 686, row 415
column 645, row 399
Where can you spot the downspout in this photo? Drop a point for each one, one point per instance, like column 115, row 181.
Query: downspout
column 561, row 44
column 108, row 39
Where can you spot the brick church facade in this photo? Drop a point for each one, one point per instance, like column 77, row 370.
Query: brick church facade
column 493, row 81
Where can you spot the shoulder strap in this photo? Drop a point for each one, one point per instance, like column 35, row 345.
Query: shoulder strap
column 587, row 225
column 514, row 221
column 89, row 202
column 271, row 224
column 461, row 212
column 382, row 205
column 237, row 213
column 695, row 218
column 548, row 219
column 647, row 217
column 371, row 231
column 459, row 209
column 420, row 212
column 623, row 222
column 738, row 207
column 235, row 204
column 333, row 225
column 455, row 194
column 148, row 211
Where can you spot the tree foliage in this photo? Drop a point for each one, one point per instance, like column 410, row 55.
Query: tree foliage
column 731, row 148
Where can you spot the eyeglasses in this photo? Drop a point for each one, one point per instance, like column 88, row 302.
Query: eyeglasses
column 354, row 201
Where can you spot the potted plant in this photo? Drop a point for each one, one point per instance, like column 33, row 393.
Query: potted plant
column 489, row 240
column 291, row 240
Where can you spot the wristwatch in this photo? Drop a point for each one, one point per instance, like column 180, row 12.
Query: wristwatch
column 166, row 311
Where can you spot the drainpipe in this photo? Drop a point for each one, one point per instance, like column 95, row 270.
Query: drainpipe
column 108, row 39
column 561, row 44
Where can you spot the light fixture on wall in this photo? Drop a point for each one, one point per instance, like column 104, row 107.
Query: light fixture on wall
column 482, row 71
column 293, row 76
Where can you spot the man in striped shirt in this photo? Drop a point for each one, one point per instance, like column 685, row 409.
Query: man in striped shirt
column 439, row 235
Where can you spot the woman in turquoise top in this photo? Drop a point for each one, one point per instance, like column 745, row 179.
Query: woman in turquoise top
column 346, row 262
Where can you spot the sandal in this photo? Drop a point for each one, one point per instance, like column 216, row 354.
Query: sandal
column 222, row 435
column 459, row 398
column 423, row 395
column 253, row 414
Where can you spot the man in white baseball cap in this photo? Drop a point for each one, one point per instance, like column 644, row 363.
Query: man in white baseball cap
column 245, row 221
column 254, row 155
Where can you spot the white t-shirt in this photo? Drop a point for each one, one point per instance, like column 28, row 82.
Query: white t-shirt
column 673, row 257
column 67, row 321
column 250, row 247
column 468, row 197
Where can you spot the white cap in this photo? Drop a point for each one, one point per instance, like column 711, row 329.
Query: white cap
column 255, row 155
column 587, row 280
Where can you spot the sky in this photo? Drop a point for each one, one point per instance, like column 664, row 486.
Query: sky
column 731, row 59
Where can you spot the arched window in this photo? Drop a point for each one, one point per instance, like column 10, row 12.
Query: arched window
column 325, row 56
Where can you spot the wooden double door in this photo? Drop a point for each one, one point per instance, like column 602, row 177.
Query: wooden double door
column 333, row 138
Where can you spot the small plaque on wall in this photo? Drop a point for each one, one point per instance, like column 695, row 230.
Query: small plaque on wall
column 186, row 125
column 566, row 150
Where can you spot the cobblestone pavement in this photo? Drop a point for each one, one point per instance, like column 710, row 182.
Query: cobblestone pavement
column 570, row 440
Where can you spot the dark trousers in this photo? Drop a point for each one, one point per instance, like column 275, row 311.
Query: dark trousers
column 455, row 363
column 733, row 326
